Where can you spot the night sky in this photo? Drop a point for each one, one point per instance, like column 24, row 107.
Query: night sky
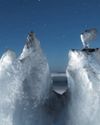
column 57, row 24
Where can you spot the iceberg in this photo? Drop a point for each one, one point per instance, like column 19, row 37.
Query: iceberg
column 83, row 73
column 27, row 96
column 25, row 84
column 31, row 95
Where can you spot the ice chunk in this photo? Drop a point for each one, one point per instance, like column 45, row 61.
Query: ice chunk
column 25, row 84
column 83, row 73
column 35, row 68
column 88, row 35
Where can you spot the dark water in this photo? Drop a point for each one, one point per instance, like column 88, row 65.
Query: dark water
column 60, row 84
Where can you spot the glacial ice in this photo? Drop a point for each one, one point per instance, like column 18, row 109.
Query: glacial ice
column 35, row 69
column 9, row 85
column 27, row 96
column 83, row 73
column 25, row 82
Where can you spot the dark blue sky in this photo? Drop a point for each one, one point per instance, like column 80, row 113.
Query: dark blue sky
column 57, row 23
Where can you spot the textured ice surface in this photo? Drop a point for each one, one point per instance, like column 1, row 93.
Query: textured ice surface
column 27, row 96
column 24, row 83
column 83, row 74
